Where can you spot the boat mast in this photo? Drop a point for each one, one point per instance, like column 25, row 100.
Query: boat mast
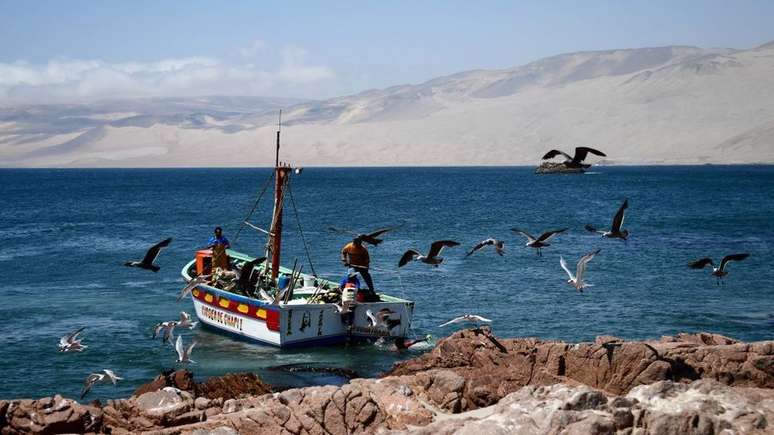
column 281, row 173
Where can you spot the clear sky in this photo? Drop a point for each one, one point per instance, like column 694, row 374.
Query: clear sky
column 62, row 50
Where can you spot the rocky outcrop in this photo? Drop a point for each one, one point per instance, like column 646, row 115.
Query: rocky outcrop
column 557, row 168
column 666, row 407
column 494, row 369
column 471, row 382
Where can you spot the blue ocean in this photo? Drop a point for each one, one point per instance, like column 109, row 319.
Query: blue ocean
column 65, row 235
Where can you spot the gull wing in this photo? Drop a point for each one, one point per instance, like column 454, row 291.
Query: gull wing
column 371, row 317
column 701, row 263
column 153, row 252
column 437, row 246
column 481, row 245
column 582, row 152
column 381, row 231
column 342, row 231
column 581, row 269
column 112, row 376
column 179, row 347
column 564, row 266
column 618, row 219
column 478, row 318
column 72, row 337
column 553, row 153
column 529, row 236
column 408, row 256
column 732, row 257
column 190, row 350
column 548, row 234
column 454, row 320
column 169, row 332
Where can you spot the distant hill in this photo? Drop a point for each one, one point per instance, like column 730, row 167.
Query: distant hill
column 648, row 105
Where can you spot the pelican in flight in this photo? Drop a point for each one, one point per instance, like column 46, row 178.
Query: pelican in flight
column 184, row 355
column 467, row 318
column 150, row 256
column 615, row 231
column 99, row 378
column 499, row 246
column 720, row 271
column 540, row 242
column 71, row 342
column 432, row 256
column 577, row 280
column 370, row 238
column 575, row 161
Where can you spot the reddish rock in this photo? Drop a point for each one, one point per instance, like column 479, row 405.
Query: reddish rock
column 232, row 386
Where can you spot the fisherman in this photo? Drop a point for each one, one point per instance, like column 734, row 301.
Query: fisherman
column 219, row 243
column 355, row 255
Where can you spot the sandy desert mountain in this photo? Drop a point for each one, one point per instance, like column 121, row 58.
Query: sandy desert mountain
column 658, row 105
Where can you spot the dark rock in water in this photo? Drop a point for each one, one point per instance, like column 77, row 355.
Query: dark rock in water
column 228, row 386
column 232, row 386
column 308, row 368
column 557, row 168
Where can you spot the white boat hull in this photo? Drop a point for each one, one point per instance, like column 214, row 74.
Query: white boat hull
column 295, row 324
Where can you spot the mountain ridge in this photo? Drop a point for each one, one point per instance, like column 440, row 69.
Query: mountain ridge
column 653, row 105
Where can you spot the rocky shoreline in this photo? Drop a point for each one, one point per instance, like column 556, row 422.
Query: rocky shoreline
column 471, row 382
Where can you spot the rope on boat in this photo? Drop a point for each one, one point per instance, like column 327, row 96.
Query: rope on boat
column 255, row 205
column 301, row 230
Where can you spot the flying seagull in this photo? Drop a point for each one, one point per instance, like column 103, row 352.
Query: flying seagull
column 167, row 328
column 720, row 271
column 540, row 242
column 185, row 321
column 370, row 238
column 150, row 256
column 577, row 280
column 431, row 257
column 382, row 318
column 99, row 378
column 71, row 342
column 498, row 246
column 615, row 231
column 467, row 318
column 184, row 355
column 576, row 160
column 201, row 279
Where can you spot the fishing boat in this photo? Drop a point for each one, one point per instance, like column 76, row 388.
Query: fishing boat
column 256, row 299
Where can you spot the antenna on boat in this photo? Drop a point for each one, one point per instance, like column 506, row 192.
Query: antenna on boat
column 279, row 129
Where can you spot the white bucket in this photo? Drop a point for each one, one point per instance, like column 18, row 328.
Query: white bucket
column 309, row 281
column 347, row 295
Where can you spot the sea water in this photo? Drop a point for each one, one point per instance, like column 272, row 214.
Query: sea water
column 65, row 234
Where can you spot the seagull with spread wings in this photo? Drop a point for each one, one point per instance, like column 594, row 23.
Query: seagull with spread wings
column 99, row 378
column 71, row 342
column 432, row 256
column 467, row 318
column 499, row 246
column 615, row 230
column 150, row 256
column 720, row 271
column 577, row 279
column 540, row 242
column 184, row 354
column 575, row 161
column 370, row 238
